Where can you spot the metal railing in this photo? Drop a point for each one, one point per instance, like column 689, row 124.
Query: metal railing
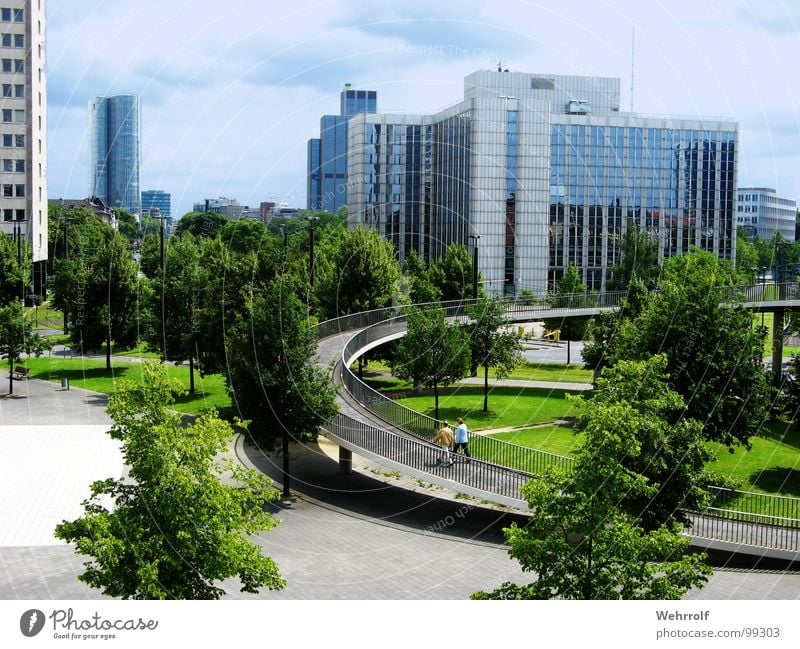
column 424, row 456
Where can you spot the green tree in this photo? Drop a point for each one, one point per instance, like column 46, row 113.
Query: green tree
column 580, row 543
column 150, row 255
column 638, row 258
column 178, row 522
column 571, row 293
column 714, row 352
column 433, row 352
column 101, row 291
column 746, row 258
column 355, row 272
column 452, row 273
column 127, row 225
column 422, row 289
column 672, row 453
column 491, row 344
column 272, row 371
column 246, row 235
column 201, row 224
column 15, row 280
column 174, row 311
column 17, row 337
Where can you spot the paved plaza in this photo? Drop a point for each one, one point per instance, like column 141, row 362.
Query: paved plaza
column 367, row 535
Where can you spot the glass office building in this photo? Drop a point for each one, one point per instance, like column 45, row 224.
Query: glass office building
column 327, row 154
column 547, row 171
column 23, row 129
column 115, row 151
column 157, row 199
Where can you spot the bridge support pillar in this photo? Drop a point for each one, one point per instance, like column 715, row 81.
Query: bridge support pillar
column 777, row 345
column 345, row 460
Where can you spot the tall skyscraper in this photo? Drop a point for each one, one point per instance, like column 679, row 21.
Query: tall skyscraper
column 327, row 154
column 23, row 200
column 547, row 172
column 115, row 151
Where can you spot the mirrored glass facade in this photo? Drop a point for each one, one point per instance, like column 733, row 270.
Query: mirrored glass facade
column 548, row 172
column 327, row 155
column 115, row 151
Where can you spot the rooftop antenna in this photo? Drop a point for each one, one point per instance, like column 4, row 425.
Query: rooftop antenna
column 633, row 52
column 499, row 66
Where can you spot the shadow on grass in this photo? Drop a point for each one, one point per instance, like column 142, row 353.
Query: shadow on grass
column 783, row 481
column 781, row 431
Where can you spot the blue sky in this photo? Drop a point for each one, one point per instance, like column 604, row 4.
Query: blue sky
column 232, row 91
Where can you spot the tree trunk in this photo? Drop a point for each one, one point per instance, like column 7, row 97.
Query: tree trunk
column 436, row 401
column 108, row 351
column 485, row 388
column 191, row 374
column 588, row 590
column 10, row 374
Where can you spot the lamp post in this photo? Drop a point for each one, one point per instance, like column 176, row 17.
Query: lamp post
column 285, row 231
column 474, row 238
column 311, row 221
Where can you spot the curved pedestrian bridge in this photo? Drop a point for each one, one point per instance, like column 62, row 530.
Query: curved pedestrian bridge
column 379, row 429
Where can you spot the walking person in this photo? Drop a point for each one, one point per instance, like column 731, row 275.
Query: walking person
column 462, row 438
column 444, row 439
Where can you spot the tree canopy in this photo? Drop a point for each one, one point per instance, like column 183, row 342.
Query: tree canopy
column 178, row 523
column 638, row 258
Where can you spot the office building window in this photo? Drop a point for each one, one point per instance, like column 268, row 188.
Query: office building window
column 8, row 140
column 6, row 15
column 20, row 191
column 7, row 65
column 8, row 191
column 19, row 15
column 8, row 165
column 6, row 40
column 19, row 40
column 19, row 167
column 7, row 90
column 19, row 65
column 19, row 116
column 19, row 90
column 19, row 141
column 8, row 115
column 20, row 215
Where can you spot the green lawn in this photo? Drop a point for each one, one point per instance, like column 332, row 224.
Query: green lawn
column 93, row 375
column 49, row 318
column 507, row 406
column 573, row 373
column 560, row 440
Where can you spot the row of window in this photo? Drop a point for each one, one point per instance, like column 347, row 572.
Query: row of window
column 13, row 165
column 10, row 191
column 14, row 90
column 16, row 141
column 8, row 15
column 14, row 115
column 747, row 208
column 13, row 40
column 13, row 65
column 12, row 215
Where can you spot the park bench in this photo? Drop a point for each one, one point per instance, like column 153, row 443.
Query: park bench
column 20, row 373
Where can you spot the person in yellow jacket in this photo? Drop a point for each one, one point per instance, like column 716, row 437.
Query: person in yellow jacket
column 444, row 439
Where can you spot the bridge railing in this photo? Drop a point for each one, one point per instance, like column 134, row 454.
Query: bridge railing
column 422, row 456
column 499, row 452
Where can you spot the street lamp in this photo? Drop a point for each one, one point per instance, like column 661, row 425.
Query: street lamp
column 311, row 221
column 474, row 238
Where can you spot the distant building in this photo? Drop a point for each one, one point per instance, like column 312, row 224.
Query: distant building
column 327, row 154
column 159, row 199
column 228, row 207
column 115, row 151
column 23, row 129
column 95, row 205
column 761, row 211
column 547, row 171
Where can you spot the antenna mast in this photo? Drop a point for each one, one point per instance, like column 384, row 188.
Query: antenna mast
column 633, row 52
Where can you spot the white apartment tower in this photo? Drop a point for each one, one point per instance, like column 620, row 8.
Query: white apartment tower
column 23, row 129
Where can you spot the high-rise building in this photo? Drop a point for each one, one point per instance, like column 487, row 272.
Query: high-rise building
column 23, row 176
column 115, row 151
column 761, row 211
column 156, row 198
column 542, row 171
column 327, row 154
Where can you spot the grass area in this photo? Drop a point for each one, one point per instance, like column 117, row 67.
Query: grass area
column 560, row 440
column 93, row 375
column 507, row 406
column 552, row 372
column 48, row 317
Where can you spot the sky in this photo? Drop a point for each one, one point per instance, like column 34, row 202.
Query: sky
column 232, row 91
